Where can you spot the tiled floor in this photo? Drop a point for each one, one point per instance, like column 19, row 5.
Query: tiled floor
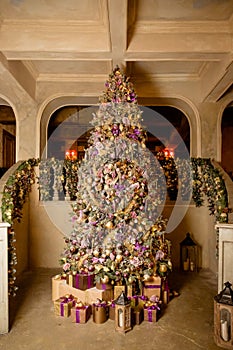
column 186, row 324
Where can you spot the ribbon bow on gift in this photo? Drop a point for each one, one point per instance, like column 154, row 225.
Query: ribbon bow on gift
column 100, row 302
column 67, row 298
column 151, row 306
column 80, row 305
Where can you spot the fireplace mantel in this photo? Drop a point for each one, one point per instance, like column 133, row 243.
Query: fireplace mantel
column 225, row 255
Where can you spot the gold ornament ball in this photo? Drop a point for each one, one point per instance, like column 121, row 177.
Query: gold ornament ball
column 109, row 225
column 119, row 257
column 130, row 279
column 96, row 253
column 163, row 268
column 146, row 277
column 105, row 279
column 107, row 252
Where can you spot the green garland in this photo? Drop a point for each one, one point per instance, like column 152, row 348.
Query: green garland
column 206, row 181
column 70, row 179
column 16, row 190
column 14, row 196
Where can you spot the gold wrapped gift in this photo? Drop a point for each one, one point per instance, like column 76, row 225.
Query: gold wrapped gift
column 152, row 310
column 80, row 313
column 152, row 287
column 63, row 305
column 100, row 311
column 151, row 314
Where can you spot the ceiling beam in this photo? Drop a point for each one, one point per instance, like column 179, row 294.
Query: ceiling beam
column 118, row 30
column 20, row 73
column 217, row 80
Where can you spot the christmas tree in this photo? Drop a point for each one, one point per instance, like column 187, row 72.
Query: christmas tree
column 118, row 232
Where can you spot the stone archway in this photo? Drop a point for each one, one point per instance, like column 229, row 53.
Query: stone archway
column 227, row 142
column 53, row 105
column 191, row 113
column 7, row 136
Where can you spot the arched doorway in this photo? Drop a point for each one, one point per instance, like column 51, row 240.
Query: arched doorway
column 227, row 141
column 7, row 138
column 69, row 128
column 179, row 121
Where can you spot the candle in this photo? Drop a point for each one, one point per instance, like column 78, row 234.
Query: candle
column 224, row 330
column 121, row 319
column 186, row 265
column 191, row 266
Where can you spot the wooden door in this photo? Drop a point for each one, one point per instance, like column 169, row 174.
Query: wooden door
column 8, row 149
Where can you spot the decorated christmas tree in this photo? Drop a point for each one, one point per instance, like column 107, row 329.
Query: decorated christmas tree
column 118, row 233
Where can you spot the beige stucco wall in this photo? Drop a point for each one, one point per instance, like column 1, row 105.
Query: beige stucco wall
column 200, row 225
column 46, row 240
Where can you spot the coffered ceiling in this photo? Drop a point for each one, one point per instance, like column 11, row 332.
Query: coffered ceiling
column 178, row 48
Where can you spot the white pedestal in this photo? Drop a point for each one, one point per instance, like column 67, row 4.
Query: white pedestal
column 4, row 306
column 225, row 262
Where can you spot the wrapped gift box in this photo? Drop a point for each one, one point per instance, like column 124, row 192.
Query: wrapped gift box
column 100, row 311
column 152, row 287
column 137, row 315
column 112, row 311
column 83, row 281
column 56, row 282
column 118, row 290
column 63, row 305
column 80, row 313
column 150, row 314
column 152, row 311
column 93, row 294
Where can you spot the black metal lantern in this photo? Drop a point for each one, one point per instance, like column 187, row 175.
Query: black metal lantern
column 122, row 313
column 188, row 254
column 223, row 317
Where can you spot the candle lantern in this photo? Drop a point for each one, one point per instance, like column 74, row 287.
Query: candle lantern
column 188, row 254
column 223, row 317
column 122, row 313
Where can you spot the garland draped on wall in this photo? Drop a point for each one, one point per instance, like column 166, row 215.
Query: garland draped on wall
column 58, row 180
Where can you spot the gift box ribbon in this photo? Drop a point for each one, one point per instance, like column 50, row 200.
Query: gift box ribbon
column 150, row 310
column 150, row 315
column 77, row 312
column 151, row 286
column 65, row 300
column 103, row 286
